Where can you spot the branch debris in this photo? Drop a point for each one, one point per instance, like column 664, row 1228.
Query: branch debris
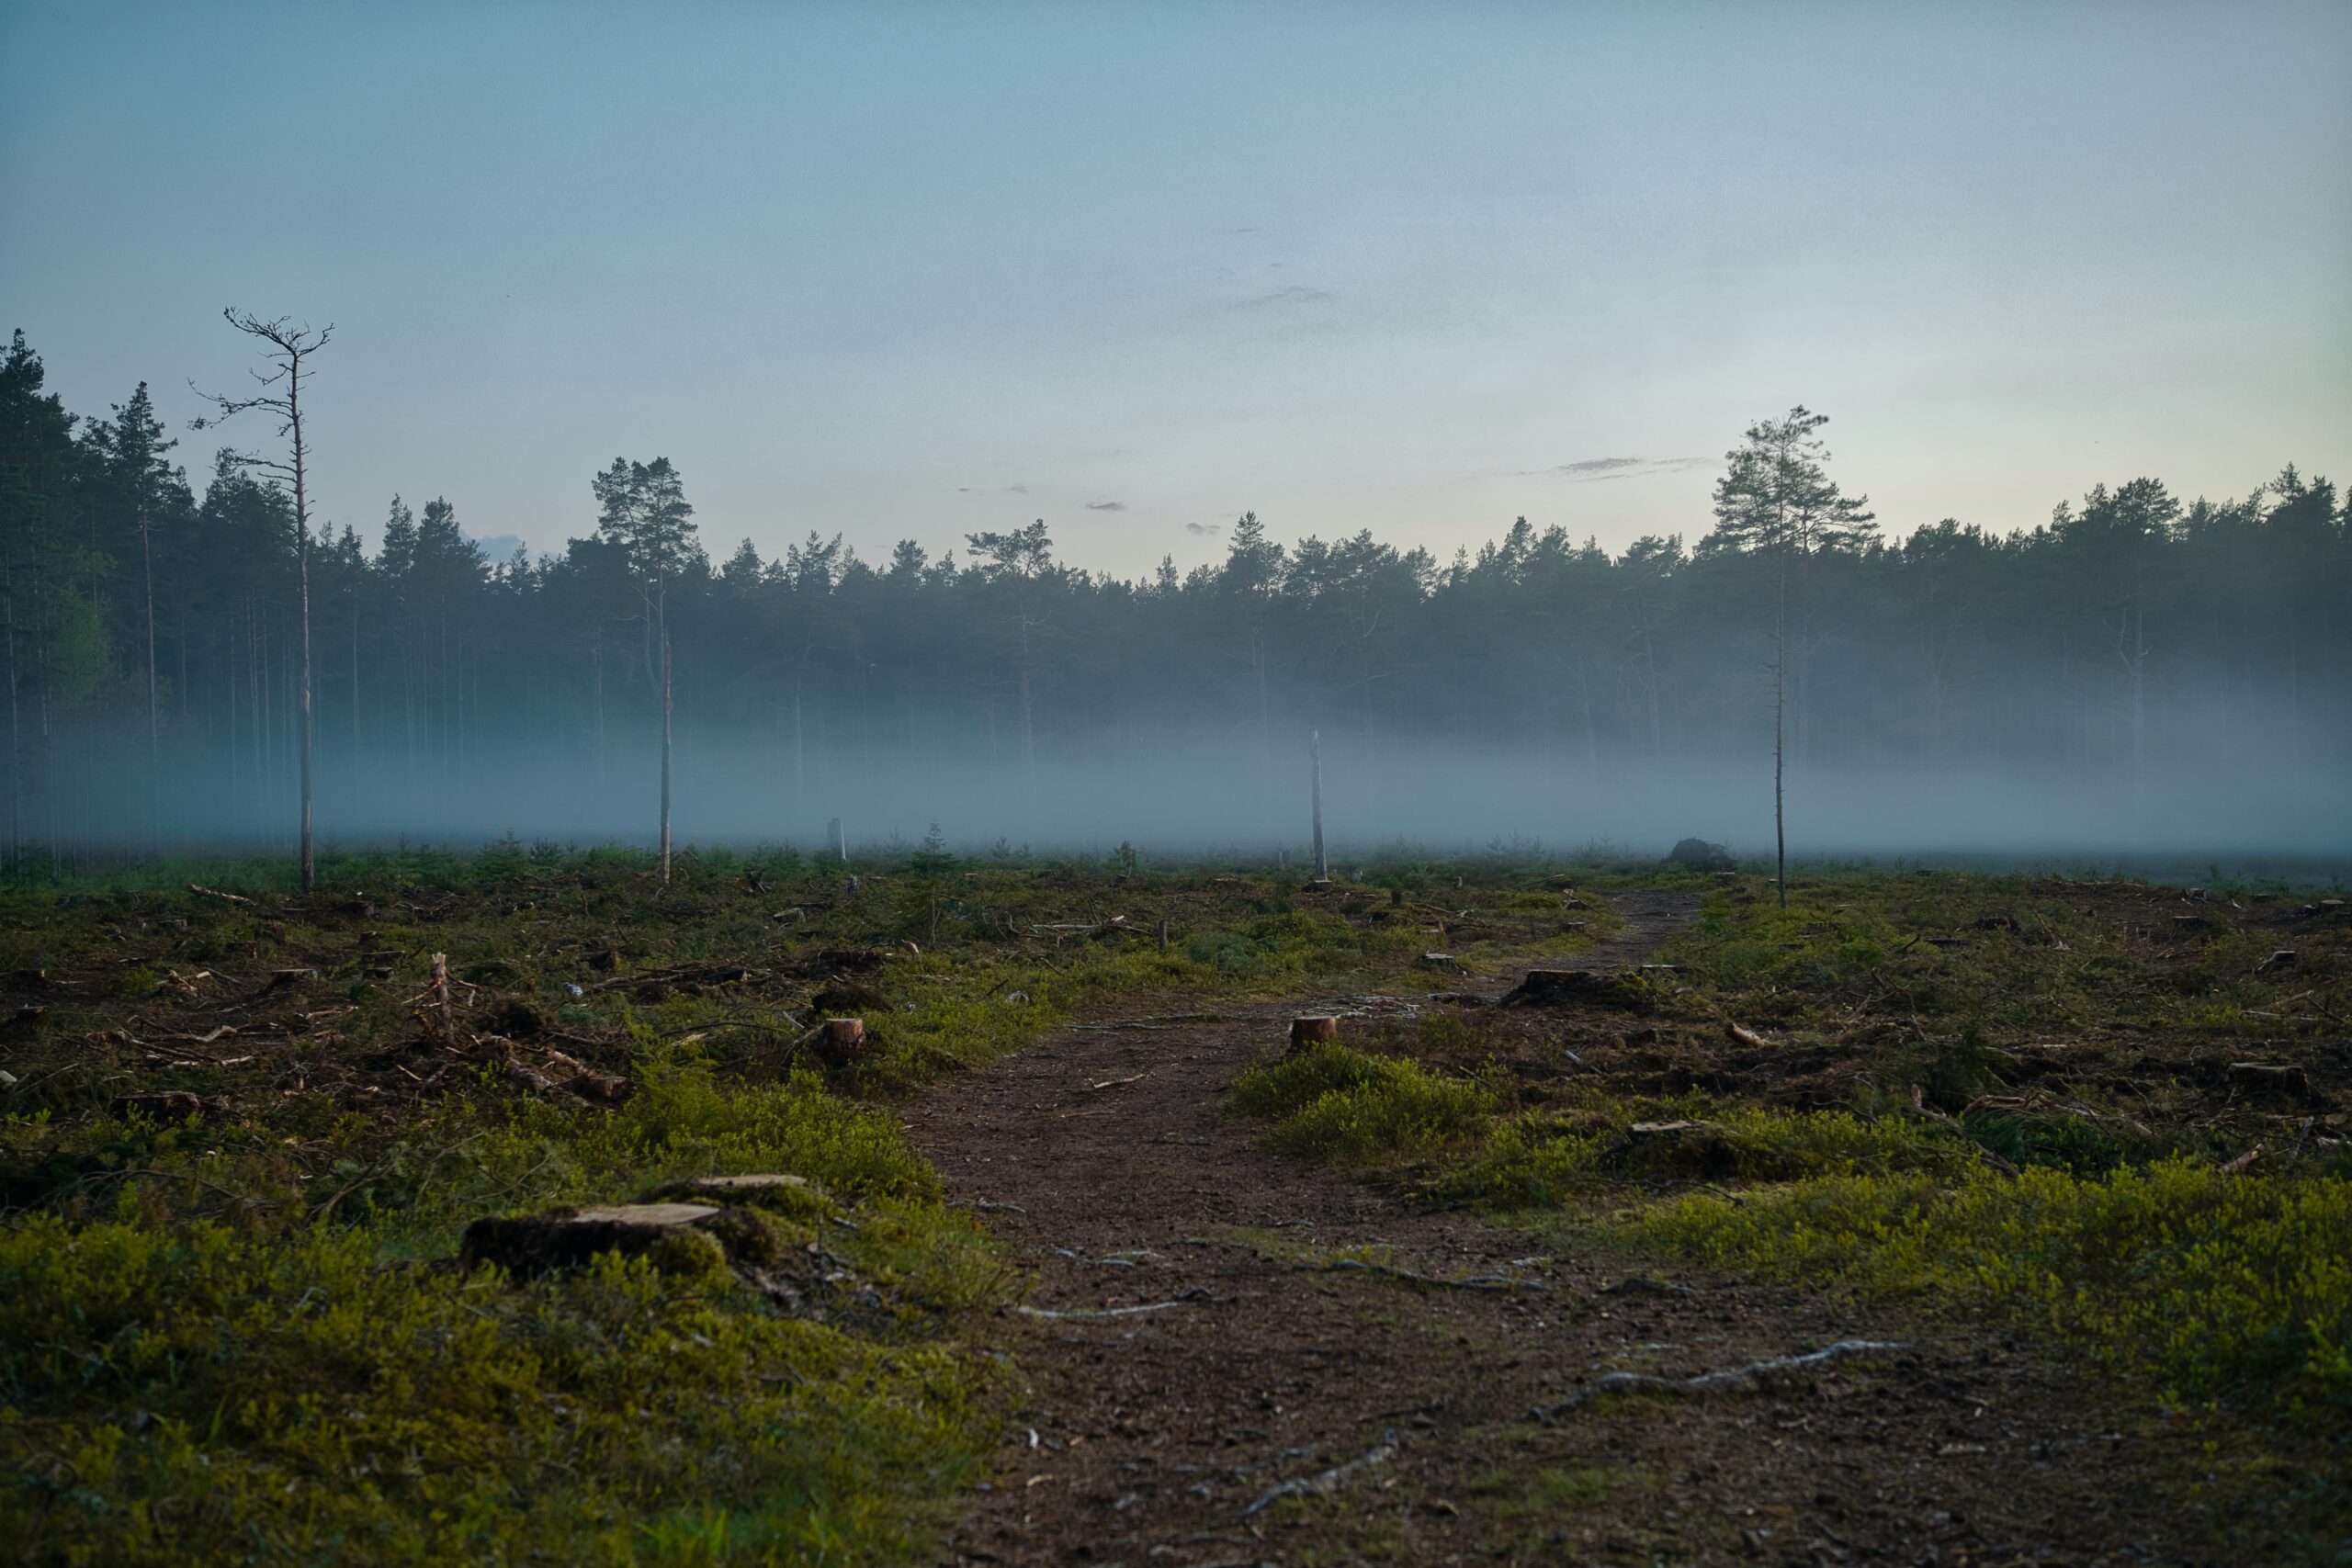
column 1195, row 1294
column 1755, row 1374
column 1331, row 1479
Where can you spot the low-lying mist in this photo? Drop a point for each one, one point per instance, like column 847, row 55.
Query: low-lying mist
column 1190, row 793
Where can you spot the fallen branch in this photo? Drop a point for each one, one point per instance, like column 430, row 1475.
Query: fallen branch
column 216, row 892
column 1468, row 1282
column 721, row 1023
column 1746, row 1036
column 1754, row 1375
column 1330, row 1479
column 1115, row 1083
column 1188, row 1298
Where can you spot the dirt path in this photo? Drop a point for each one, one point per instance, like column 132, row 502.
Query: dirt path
column 1106, row 1159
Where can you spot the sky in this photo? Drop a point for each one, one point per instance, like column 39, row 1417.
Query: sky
column 903, row 270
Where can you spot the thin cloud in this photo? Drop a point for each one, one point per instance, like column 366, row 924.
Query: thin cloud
column 1106, row 506
column 1587, row 469
column 998, row 489
column 1294, row 294
column 1204, row 527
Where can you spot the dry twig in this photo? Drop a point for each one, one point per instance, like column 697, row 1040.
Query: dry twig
column 1755, row 1374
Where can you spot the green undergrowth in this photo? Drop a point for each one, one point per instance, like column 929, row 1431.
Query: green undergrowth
column 1985, row 1097
column 2212, row 1288
column 2220, row 1286
column 292, row 1375
column 1334, row 1103
column 242, row 1333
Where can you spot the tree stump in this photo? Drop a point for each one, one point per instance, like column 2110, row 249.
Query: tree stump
column 1571, row 988
column 1306, row 1032
column 841, row 1041
column 543, row 1244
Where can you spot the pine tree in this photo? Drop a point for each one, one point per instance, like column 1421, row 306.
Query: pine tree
column 1776, row 496
column 644, row 512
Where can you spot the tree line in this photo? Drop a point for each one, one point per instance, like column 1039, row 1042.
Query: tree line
column 153, row 633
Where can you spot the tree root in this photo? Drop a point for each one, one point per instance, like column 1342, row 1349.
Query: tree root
column 1188, row 1298
column 1755, row 1374
column 1468, row 1282
column 1330, row 1479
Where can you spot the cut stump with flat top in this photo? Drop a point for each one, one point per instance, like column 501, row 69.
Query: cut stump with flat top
column 841, row 1041
column 1305, row 1031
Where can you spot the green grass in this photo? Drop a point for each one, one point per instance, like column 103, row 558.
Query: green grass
column 244, row 1336
column 1333, row 1103
column 2217, row 1286
column 1992, row 1097
column 258, row 1384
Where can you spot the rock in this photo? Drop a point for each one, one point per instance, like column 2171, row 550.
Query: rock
column 1578, row 988
column 1697, row 855
column 544, row 1244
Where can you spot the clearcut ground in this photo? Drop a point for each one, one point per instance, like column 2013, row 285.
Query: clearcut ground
column 1212, row 1325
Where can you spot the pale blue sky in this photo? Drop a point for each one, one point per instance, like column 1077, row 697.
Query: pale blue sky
column 912, row 270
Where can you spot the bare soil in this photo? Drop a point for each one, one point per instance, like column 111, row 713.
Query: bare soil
column 1107, row 1159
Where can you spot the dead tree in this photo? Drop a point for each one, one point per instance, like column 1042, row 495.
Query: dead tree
column 1315, row 756
column 284, row 348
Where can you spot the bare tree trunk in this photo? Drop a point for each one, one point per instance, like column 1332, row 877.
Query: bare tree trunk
column 1314, row 755
column 254, row 699
column 1649, row 673
column 302, row 573
column 48, row 739
column 662, row 610
column 154, row 721
column 1265, row 723
column 15, row 745
column 1028, row 731
column 288, row 347
column 1780, row 719
column 1591, row 738
column 14, row 741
